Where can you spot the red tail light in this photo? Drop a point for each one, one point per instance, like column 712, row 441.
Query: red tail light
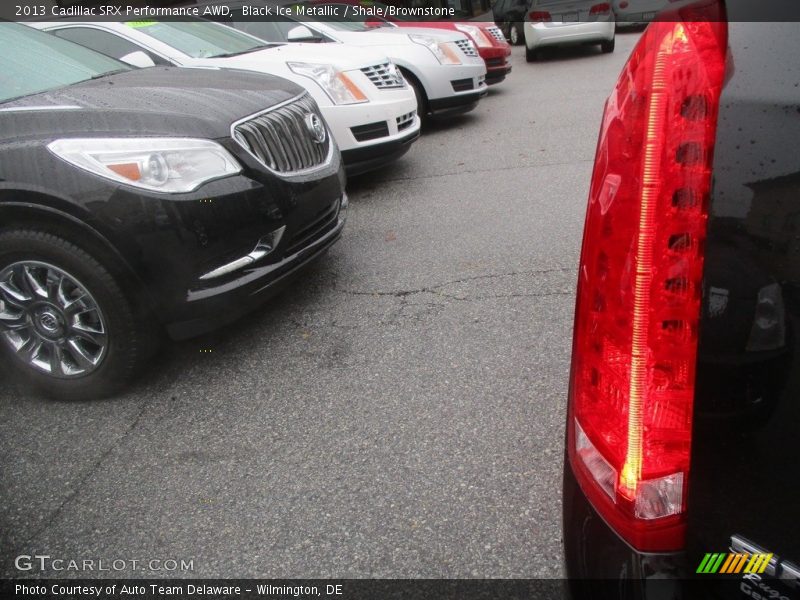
column 539, row 16
column 639, row 289
column 600, row 9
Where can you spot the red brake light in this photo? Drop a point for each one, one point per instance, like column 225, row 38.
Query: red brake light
column 639, row 289
column 600, row 9
column 623, row 5
column 539, row 16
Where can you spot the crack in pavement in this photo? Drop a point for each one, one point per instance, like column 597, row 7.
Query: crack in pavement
column 436, row 289
column 87, row 476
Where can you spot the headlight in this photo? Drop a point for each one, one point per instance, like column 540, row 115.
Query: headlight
column 441, row 50
column 339, row 87
column 170, row 165
column 476, row 34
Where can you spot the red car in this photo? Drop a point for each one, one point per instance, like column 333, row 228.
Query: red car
column 489, row 41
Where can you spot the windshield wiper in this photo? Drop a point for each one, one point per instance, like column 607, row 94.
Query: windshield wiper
column 240, row 52
column 107, row 73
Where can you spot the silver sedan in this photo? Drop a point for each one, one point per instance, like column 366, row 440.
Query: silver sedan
column 563, row 22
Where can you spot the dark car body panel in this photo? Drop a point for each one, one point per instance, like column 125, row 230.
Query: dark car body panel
column 745, row 449
column 154, row 101
column 744, row 463
column 509, row 12
column 168, row 241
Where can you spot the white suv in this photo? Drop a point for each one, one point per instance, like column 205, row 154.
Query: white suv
column 443, row 67
column 370, row 109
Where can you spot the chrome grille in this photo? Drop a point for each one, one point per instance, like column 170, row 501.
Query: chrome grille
column 281, row 138
column 384, row 76
column 467, row 47
column 496, row 33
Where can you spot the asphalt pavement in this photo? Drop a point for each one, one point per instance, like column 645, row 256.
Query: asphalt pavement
column 397, row 413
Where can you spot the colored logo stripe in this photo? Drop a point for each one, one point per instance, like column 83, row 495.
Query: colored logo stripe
column 758, row 564
column 738, row 563
column 734, row 563
column 710, row 563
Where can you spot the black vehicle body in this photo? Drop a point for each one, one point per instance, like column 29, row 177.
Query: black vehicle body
column 742, row 493
column 167, row 242
column 510, row 16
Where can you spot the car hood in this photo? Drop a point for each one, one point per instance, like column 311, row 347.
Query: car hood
column 341, row 56
column 147, row 102
column 394, row 36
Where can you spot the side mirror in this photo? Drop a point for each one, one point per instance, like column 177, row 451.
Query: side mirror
column 301, row 33
column 138, row 59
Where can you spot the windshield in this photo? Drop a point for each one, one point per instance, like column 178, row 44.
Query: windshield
column 32, row 61
column 199, row 39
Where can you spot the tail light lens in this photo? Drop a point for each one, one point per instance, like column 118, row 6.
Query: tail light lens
column 600, row 9
column 639, row 289
column 539, row 16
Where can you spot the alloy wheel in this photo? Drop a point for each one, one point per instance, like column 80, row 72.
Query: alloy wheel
column 50, row 320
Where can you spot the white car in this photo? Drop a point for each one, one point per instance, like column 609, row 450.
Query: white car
column 567, row 22
column 443, row 67
column 370, row 109
column 638, row 12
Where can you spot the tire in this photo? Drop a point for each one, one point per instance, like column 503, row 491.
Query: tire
column 515, row 36
column 608, row 46
column 531, row 54
column 66, row 323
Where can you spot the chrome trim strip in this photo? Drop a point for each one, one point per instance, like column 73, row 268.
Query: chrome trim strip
column 265, row 245
column 744, row 546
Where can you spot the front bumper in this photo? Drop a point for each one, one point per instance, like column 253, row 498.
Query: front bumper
column 497, row 65
column 210, row 308
column 381, row 120
column 456, row 105
column 443, row 82
column 538, row 35
column 361, row 160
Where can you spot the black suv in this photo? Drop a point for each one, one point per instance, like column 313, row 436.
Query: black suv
column 137, row 199
column 681, row 465
column 510, row 16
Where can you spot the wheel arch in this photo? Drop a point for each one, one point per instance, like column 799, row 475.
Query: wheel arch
column 24, row 208
column 409, row 74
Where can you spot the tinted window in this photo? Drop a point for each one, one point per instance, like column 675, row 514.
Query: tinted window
column 32, row 61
